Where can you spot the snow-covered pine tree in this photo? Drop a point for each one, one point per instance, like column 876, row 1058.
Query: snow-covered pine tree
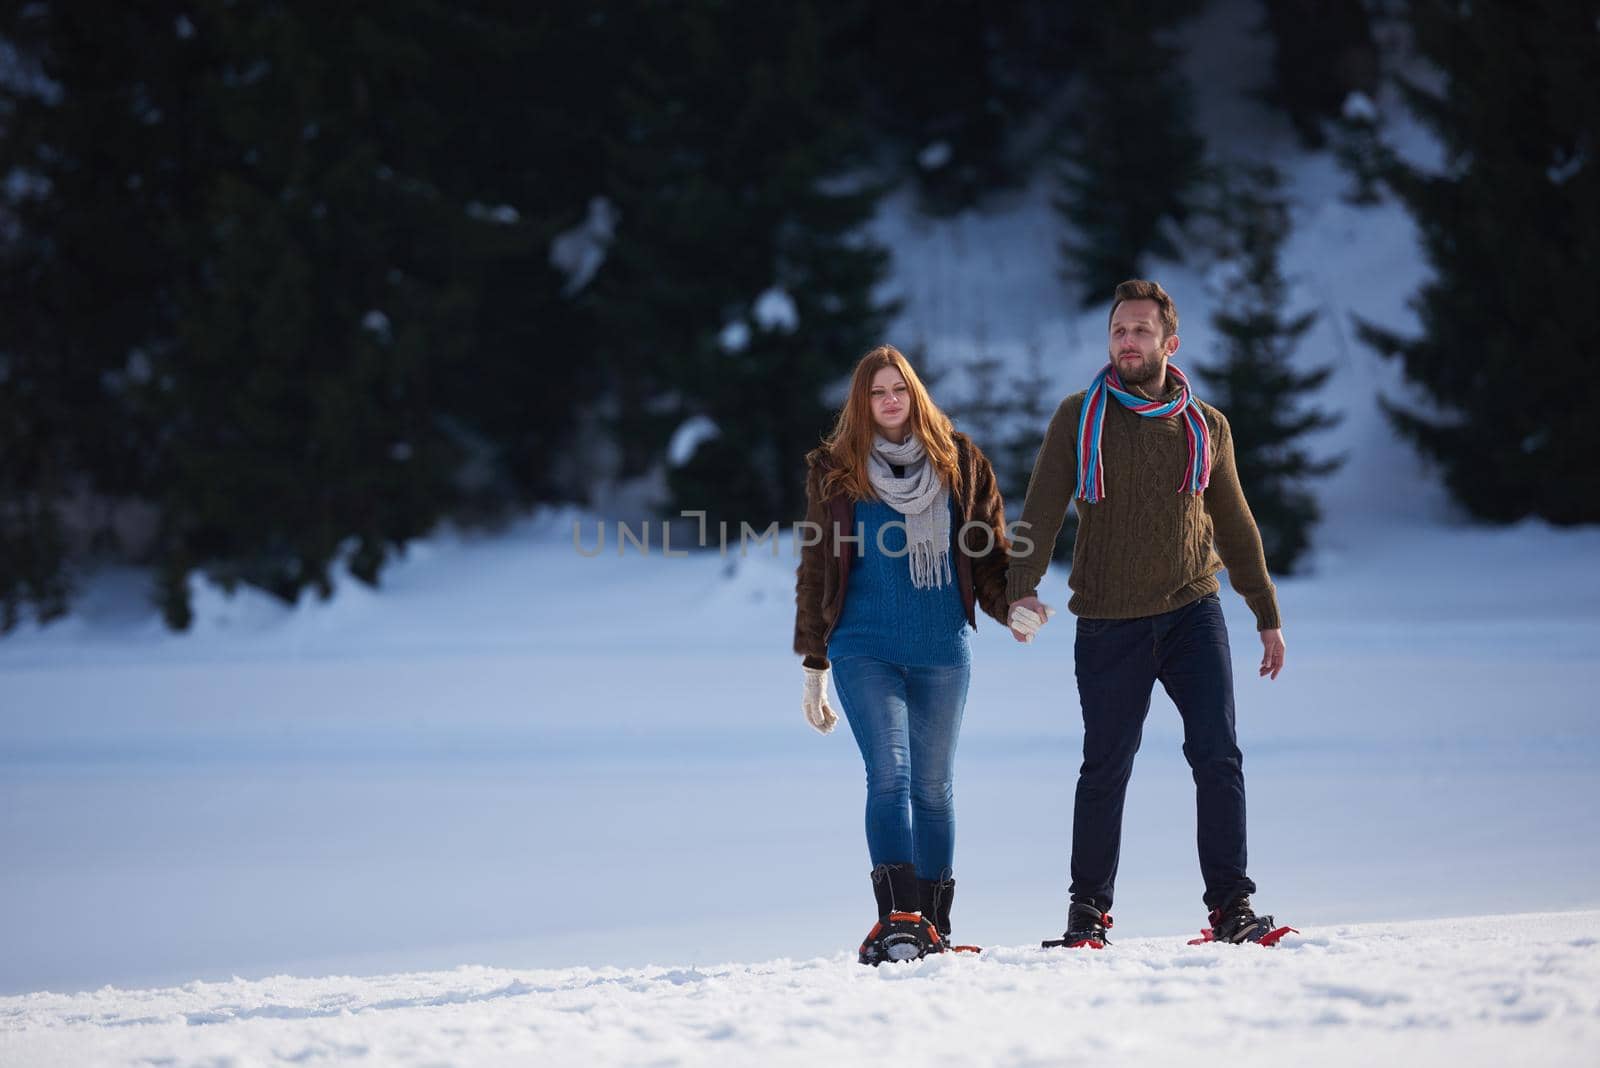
column 1128, row 153
column 1253, row 379
column 981, row 411
column 1007, row 416
column 1510, row 228
column 100, row 139
column 299, row 423
column 262, row 277
column 948, row 87
column 739, row 286
column 1323, row 50
column 516, row 153
column 1033, row 402
column 1027, row 410
column 1359, row 148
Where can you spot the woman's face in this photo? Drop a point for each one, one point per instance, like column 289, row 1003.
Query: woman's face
column 891, row 401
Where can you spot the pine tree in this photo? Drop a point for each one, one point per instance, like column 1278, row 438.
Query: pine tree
column 1359, row 148
column 1510, row 229
column 738, row 287
column 950, row 87
column 982, row 412
column 518, row 144
column 1323, row 50
column 1129, row 154
column 100, row 145
column 261, row 274
column 33, row 573
column 1028, row 411
column 1006, row 416
column 324, row 299
column 1253, row 381
column 1033, row 400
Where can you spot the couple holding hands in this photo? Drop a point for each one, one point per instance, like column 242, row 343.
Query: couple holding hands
column 914, row 540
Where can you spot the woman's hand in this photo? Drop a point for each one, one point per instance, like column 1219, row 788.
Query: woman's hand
column 814, row 701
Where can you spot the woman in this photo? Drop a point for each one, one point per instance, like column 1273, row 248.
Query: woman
column 889, row 615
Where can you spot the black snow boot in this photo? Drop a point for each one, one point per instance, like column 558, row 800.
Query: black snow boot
column 936, row 897
column 1237, row 922
column 1086, row 928
column 900, row 933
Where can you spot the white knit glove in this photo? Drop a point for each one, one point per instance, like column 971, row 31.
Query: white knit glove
column 1026, row 622
column 815, row 701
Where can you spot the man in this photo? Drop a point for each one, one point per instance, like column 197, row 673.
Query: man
column 1160, row 512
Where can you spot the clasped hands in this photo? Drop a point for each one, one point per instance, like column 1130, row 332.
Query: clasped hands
column 1028, row 614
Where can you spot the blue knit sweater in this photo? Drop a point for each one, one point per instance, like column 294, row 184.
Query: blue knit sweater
column 884, row 615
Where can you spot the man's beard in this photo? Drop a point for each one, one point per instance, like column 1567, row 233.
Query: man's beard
column 1149, row 366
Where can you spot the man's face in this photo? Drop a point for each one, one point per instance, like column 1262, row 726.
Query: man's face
column 1139, row 352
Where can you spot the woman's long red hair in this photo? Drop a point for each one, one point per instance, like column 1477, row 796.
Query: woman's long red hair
column 850, row 442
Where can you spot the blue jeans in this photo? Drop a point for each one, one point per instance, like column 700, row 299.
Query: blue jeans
column 906, row 720
column 1118, row 663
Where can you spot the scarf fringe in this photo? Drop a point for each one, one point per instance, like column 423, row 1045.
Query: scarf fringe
column 930, row 569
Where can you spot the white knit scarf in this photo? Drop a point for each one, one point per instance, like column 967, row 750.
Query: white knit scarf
column 923, row 498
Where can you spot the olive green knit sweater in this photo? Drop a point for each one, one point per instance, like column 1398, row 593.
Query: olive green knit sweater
column 1145, row 548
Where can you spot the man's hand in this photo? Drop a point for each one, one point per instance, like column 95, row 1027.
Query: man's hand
column 1271, row 653
column 1028, row 614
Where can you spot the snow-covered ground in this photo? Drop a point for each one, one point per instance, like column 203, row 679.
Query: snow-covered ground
column 584, row 782
column 1488, row 991
column 518, row 756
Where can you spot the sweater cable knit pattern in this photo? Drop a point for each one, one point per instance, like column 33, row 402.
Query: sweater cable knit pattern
column 1145, row 549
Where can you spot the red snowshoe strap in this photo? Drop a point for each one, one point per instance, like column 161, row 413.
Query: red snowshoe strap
column 1271, row 937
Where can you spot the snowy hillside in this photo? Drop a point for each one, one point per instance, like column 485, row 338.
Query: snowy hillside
column 990, row 281
column 1491, row 991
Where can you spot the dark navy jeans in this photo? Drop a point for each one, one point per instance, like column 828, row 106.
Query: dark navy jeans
column 906, row 721
column 1119, row 662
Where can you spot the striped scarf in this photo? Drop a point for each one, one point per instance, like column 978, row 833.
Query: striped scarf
column 1092, row 476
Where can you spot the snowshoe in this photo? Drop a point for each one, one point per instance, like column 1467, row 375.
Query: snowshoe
column 901, row 933
column 900, row 936
column 1086, row 929
column 1237, row 923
